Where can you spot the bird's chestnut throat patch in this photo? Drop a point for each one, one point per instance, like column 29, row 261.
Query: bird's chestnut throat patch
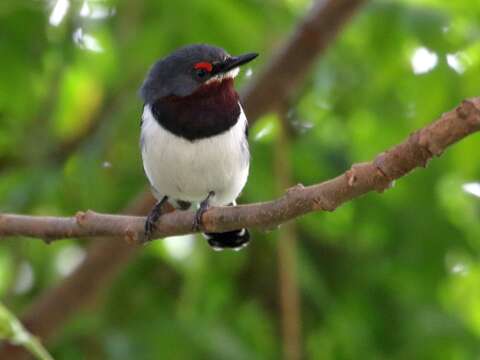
column 209, row 111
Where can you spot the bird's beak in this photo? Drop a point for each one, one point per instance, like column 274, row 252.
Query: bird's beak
column 233, row 62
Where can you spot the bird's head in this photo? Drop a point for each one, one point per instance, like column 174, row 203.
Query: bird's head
column 189, row 69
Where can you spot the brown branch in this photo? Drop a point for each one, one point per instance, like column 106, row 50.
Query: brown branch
column 289, row 294
column 274, row 86
column 377, row 175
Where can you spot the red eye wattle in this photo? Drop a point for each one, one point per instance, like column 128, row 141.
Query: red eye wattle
column 204, row 66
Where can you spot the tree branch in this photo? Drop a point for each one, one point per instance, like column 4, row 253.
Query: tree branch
column 289, row 292
column 55, row 306
column 273, row 87
column 376, row 175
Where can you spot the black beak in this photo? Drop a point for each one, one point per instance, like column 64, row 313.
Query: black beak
column 233, row 62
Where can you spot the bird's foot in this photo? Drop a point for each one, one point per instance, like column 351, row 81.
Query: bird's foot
column 152, row 218
column 204, row 205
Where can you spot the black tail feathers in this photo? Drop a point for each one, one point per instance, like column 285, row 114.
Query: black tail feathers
column 234, row 240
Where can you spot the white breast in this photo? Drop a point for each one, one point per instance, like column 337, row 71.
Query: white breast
column 187, row 170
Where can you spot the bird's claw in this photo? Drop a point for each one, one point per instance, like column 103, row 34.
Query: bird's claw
column 204, row 205
column 152, row 218
column 150, row 228
column 197, row 221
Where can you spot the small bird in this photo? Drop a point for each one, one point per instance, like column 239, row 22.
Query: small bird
column 194, row 136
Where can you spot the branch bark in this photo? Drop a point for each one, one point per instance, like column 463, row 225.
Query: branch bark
column 376, row 175
column 274, row 86
column 289, row 293
column 55, row 306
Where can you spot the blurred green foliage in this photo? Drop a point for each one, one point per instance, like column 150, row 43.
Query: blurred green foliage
column 12, row 330
column 393, row 276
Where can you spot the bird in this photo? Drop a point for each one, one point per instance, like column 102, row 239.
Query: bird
column 193, row 136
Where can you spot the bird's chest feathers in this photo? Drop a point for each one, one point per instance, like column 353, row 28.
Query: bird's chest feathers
column 189, row 169
column 211, row 110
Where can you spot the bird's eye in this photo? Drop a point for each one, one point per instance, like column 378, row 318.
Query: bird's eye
column 201, row 73
column 202, row 69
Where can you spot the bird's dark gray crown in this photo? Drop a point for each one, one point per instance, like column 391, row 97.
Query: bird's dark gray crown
column 174, row 75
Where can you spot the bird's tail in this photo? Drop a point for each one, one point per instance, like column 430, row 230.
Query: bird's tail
column 234, row 240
